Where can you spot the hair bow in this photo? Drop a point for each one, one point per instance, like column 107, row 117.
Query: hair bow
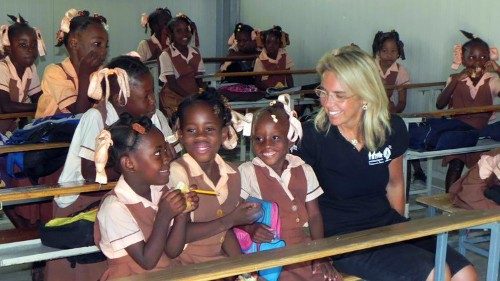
column 103, row 142
column 4, row 36
column 489, row 165
column 295, row 130
column 95, row 90
column 144, row 20
column 239, row 122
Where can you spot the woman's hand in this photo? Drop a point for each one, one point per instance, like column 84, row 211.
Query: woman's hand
column 325, row 267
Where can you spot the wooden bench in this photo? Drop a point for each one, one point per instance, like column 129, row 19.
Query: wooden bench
column 16, row 235
column 442, row 203
column 347, row 243
column 30, row 147
column 17, row 115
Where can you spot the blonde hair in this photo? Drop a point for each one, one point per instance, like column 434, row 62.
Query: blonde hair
column 358, row 71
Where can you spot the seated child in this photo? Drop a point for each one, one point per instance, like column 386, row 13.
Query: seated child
column 242, row 43
column 19, row 82
column 469, row 192
column 179, row 65
column 157, row 21
column 140, row 224
column 474, row 86
column 274, row 57
column 204, row 122
column 277, row 176
column 65, row 84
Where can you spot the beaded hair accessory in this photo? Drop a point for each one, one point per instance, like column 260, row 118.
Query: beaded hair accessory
column 103, row 142
column 295, row 129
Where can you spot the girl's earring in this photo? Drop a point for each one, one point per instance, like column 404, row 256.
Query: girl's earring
column 365, row 106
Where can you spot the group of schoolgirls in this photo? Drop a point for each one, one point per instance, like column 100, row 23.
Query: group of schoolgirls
column 144, row 223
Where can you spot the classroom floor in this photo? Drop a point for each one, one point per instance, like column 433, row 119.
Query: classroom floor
column 23, row 272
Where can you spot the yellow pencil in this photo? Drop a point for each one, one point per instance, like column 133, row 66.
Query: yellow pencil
column 206, row 192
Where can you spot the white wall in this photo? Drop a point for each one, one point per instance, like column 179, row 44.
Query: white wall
column 123, row 20
column 429, row 28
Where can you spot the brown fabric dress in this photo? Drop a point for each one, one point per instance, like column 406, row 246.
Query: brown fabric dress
column 293, row 216
column 126, row 266
column 468, row 191
column 272, row 80
column 209, row 209
column 169, row 100
column 461, row 98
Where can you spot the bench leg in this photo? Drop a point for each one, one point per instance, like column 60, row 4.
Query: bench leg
column 243, row 148
column 494, row 253
column 407, row 186
column 440, row 259
column 428, row 182
column 462, row 236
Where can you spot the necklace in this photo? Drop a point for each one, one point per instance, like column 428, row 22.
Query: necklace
column 354, row 142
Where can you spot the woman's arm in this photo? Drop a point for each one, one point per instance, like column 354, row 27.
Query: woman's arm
column 395, row 187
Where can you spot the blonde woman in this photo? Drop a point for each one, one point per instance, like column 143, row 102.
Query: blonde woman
column 356, row 148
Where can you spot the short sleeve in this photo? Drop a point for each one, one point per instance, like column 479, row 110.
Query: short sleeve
column 258, row 66
column 399, row 138
column 249, row 186
column 166, row 66
column 403, row 76
column 177, row 174
column 201, row 65
column 117, row 224
column 289, row 62
column 58, row 87
column 313, row 188
column 307, row 146
column 495, row 87
column 143, row 50
column 89, row 132
column 4, row 77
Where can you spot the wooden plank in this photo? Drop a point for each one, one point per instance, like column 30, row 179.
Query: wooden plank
column 231, row 58
column 16, row 235
column 441, row 202
column 416, row 85
column 324, row 247
column 258, row 73
column 16, row 115
column 452, row 112
column 31, row 147
column 33, row 192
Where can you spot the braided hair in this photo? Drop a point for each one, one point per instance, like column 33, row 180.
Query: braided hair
column 209, row 97
column 473, row 41
column 81, row 23
column 381, row 37
column 155, row 17
column 125, row 138
column 20, row 25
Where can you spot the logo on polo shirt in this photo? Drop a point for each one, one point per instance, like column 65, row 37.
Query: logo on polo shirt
column 375, row 158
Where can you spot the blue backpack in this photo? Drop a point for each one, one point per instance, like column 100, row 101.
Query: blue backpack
column 36, row 164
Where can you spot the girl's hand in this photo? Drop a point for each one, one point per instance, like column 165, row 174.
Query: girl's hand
column 325, row 267
column 90, row 63
column 245, row 213
column 492, row 66
column 192, row 200
column 172, row 203
column 260, row 233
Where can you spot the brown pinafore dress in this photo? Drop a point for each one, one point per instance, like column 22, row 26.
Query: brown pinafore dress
column 272, row 80
column 293, row 216
column 126, row 266
column 209, row 209
column 170, row 100
column 461, row 98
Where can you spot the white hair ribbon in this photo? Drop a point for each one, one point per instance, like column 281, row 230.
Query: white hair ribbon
column 239, row 122
column 133, row 54
column 295, row 130
column 95, row 90
column 65, row 23
column 4, row 36
column 40, row 43
column 144, row 20
column 489, row 165
column 103, row 142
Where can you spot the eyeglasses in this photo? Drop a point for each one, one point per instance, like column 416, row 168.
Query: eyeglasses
column 339, row 96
